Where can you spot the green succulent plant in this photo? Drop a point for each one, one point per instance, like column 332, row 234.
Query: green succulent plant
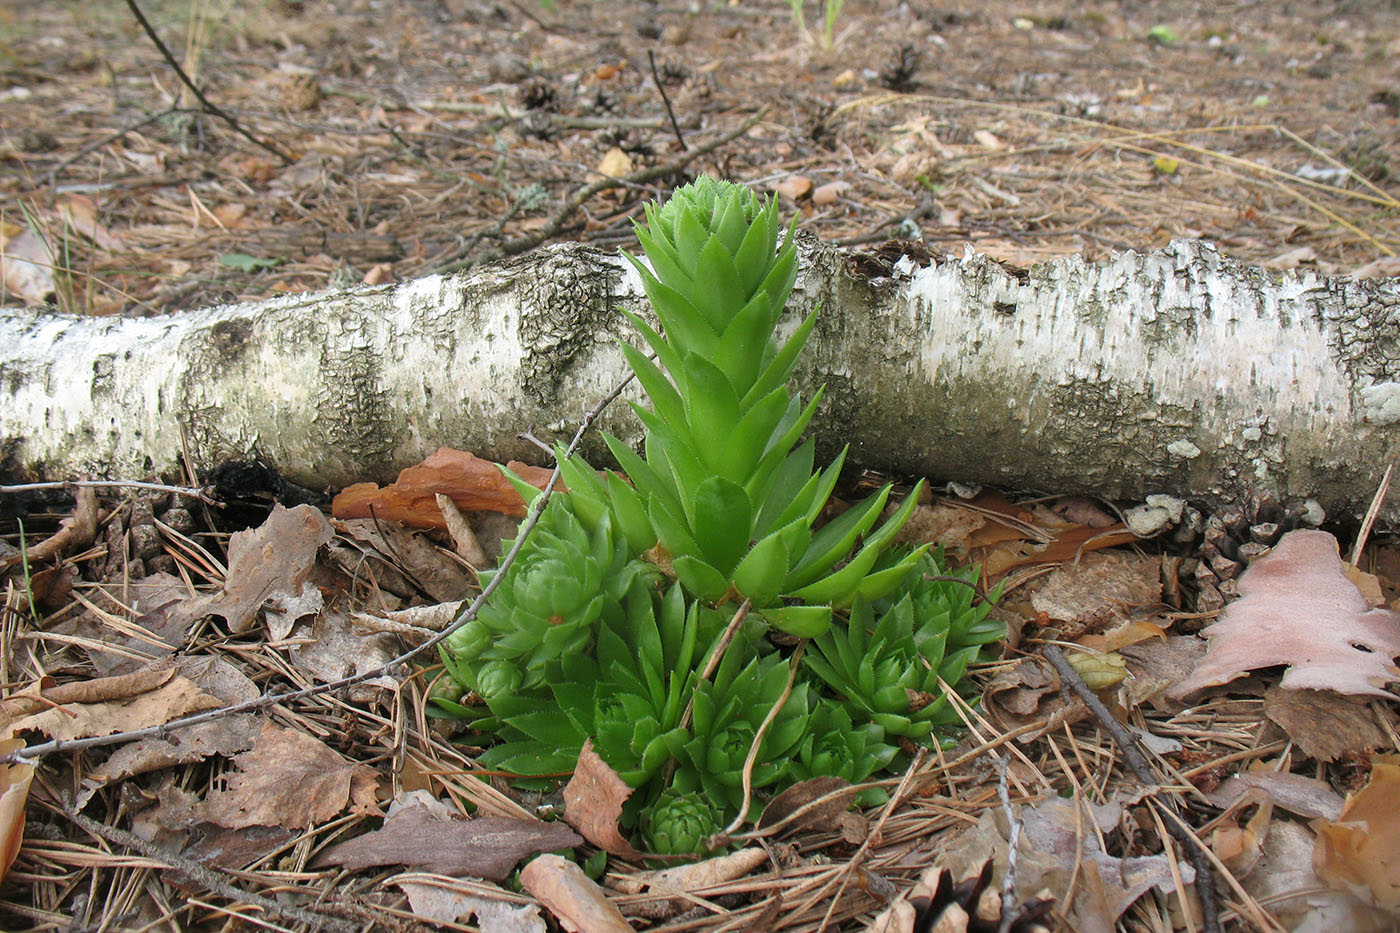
column 679, row 823
column 885, row 664
column 615, row 604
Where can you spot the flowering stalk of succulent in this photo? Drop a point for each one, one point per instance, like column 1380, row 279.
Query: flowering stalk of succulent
column 719, row 483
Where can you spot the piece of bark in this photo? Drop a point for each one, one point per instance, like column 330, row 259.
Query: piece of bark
column 1175, row 371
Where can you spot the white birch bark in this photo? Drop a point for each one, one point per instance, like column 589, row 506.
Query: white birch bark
column 1178, row 371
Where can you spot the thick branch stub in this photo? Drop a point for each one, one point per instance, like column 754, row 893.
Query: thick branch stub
column 1177, row 371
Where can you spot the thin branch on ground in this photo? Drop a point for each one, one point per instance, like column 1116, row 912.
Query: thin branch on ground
column 208, row 105
column 203, row 495
column 1137, row 762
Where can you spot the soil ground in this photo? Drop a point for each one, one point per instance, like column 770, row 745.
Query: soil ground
column 404, row 138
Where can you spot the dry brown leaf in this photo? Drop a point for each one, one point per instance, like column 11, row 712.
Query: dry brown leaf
column 831, row 815
column 336, row 648
column 80, row 213
column 75, row 532
column 690, row 879
column 1296, row 793
column 1324, row 724
column 593, row 801
column 435, row 901
column 43, row 694
column 615, row 164
column 569, row 894
column 1299, row 609
column 829, row 193
column 1358, row 852
column 1029, row 691
column 1159, row 665
column 290, row 779
column 271, row 564
column 14, row 793
column 26, row 266
column 226, row 736
column 487, row 847
column 429, row 569
column 475, row 485
column 1284, row 879
column 176, row 697
column 794, row 187
column 942, row 523
column 1100, row 590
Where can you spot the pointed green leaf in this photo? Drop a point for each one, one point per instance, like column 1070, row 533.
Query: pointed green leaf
column 666, row 355
column 799, row 621
column 685, row 326
column 665, row 263
column 528, row 491
column 762, row 571
column 745, row 339
column 723, row 522
column 731, row 223
column 741, row 452
column 665, row 400
column 884, row 582
column 835, row 540
column 783, row 439
column 631, row 514
column 719, row 294
column 712, row 407
column 777, row 371
column 700, row 578
column 754, row 256
column 646, row 480
column 691, row 237
column 790, row 482
column 674, row 533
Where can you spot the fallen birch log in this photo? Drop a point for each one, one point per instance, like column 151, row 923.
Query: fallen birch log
column 1178, row 371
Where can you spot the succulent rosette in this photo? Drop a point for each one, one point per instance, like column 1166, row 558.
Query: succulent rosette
column 679, row 823
column 885, row 664
column 835, row 747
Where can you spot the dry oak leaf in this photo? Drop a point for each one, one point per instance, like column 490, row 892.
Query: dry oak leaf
column 290, row 779
column 14, row 793
column 1298, row 608
column 1358, row 852
column 271, row 562
column 174, row 698
column 593, row 801
column 487, row 847
column 475, row 485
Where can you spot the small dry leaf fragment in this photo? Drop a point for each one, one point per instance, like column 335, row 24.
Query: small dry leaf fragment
column 475, row 485
column 1299, row 609
column 690, row 879
column 593, row 801
column 569, row 894
column 615, row 164
column 14, row 793
column 436, row 902
column 988, row 140
column 1357, row 853
column 80, row 213
column 794, row 187
column 271, row 562
column 175, row 698
column 823, row 817
column 1100, row 590
column 829, row 193
column 487, row 847
column 1098, row 671
column 1296, row 793
column 1324, row 724
column 290, row 779
column 26, row 266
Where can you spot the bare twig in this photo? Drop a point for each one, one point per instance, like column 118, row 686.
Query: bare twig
column 203, row 495
column 1376, row 502
column 210, row 879
column 1008, row 884
column 656, row 76
column 391, row 666
column 556, row 223
column 1137, row 762
column 194, row 89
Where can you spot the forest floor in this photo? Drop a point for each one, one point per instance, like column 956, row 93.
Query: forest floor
column 397, row 139
column 364, row 142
